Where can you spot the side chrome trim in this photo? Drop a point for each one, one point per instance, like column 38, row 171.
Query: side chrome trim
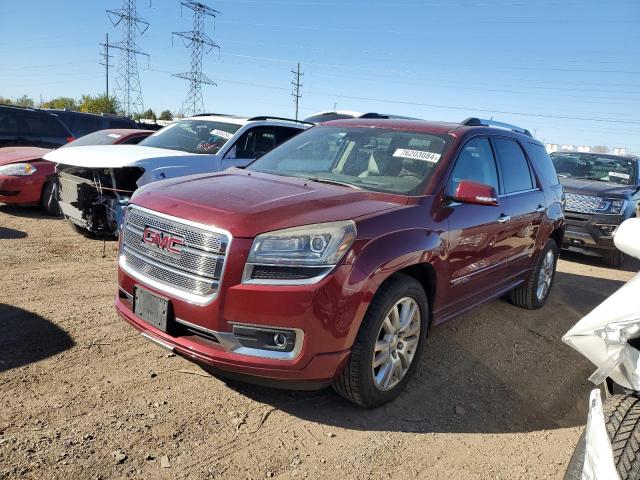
column 469, row 276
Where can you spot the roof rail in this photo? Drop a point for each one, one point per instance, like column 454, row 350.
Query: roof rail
column 269, row 117
column 213, row 115
column 481, row 122
column 373, row 115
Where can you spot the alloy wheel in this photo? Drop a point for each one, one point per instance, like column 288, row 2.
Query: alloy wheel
column 545, row 276
column 396, row 344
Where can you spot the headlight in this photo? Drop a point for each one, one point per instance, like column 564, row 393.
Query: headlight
column 19, row 169
column 298, row 255
column 614, row 206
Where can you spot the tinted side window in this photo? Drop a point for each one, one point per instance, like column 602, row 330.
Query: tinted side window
column 10, row 124
column 284, row 133
column 475, row 163
column 44, row 126
column 254, row 143
column 516, row 174
column 543, row 164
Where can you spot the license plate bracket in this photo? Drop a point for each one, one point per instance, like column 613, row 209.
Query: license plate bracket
column 151, row 308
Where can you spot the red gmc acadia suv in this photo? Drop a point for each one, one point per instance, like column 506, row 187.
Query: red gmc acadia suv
column 328, row 260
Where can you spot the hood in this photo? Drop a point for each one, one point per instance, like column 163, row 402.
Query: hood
column 21, row 154
column 596, row 188
column 249, row 203
column 111, row 156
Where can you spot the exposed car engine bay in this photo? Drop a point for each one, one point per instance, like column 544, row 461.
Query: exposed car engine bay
column 95, row 198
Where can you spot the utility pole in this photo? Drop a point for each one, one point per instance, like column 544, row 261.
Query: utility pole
column 106, row 57
column 198, row 41
column 128, row 92
column 297, row 75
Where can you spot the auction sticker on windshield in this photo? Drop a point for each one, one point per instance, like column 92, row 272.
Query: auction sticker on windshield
column 417, row 155
column 221, row 134
column 620, row 175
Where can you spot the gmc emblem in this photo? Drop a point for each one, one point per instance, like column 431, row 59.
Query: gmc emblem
column 162, row 240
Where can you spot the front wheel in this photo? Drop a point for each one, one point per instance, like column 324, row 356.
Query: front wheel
column 49, row 198
column 622, row 419
column 613, row 258
column 533, row 293
column 388, row 344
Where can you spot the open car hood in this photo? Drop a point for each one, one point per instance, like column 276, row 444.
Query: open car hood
column 603, row 335
column 113, row 156
column 21, row 154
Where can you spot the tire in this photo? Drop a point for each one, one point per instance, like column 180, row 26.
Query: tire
column 49, row 198
column 622, row 419
column 613, row 258
column 526, row 295
column 357, row 382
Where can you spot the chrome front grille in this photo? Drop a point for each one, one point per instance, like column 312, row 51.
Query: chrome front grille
column 581, row 203
column 193, row 272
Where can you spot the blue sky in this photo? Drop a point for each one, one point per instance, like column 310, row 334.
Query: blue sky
column 529, row 62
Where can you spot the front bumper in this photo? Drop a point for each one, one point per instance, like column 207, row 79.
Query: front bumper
column 21, row 190
column 323, row 315
column 591, row 231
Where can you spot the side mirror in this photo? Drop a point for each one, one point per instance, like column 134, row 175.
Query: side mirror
column 476, row 193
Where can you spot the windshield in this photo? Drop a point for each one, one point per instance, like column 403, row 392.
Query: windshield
column 100, row 137
column 602, row 168
column 192, row 136
column 377, row 159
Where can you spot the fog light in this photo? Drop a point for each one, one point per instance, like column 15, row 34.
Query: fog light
column 265, row 338
column 608, row 230
column 280, row 340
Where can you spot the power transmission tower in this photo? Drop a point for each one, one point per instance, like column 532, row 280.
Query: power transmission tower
column 127, row 89
column 297, row 75
column 105, row 63
column 198, row 42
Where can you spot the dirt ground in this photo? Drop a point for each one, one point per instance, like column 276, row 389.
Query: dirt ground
column 82, row 395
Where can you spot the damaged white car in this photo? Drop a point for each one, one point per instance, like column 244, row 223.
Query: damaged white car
column 609, row 336
column 96, row 182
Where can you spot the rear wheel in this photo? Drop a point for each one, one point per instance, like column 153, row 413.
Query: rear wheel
column 534, row 292
column 388, row 344
column 622, row 419
column 613, row 258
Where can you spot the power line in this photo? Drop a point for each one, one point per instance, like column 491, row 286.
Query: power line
column 128, row 91
column 296, row 87
column 197, row 40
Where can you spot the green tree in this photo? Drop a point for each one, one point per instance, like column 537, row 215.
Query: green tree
column 6, row 100
column 98, row 104
column 61, row 102
column 24, row 101
column 166, row 115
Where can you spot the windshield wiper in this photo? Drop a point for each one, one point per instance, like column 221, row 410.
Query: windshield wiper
column 332, row 182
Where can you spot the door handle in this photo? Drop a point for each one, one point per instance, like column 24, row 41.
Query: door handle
column 541, row 208
column 504, row 218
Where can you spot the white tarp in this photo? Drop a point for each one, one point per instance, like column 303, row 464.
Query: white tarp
column 602, row 336
column 598, row 457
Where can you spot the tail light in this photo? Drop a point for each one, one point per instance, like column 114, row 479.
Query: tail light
column 70, row 139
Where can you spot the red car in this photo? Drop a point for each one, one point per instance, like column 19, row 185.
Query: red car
column 27, row 179
column 328, row 259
